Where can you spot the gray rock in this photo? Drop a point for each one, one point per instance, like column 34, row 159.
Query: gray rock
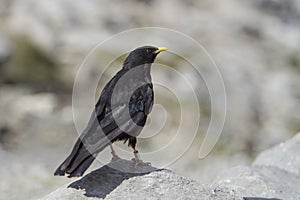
column 67, row 194
column 138, row 182
column 262, row 182
column 167, row 185
column 274, row 175
column 285, row 156
column 101, row 182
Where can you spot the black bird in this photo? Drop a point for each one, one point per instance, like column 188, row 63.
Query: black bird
column 120, row 113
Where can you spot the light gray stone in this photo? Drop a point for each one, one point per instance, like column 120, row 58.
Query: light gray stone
column 274, row 175
column 67, row 194
column 138, row 182
column 167, row 185
column 285, row 156
column 261, row 182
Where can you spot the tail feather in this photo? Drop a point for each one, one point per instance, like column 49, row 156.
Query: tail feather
column 81, row 168
column 84, row 153
column 77, row 162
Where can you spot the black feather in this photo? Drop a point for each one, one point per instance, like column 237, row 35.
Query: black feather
column 119, row 114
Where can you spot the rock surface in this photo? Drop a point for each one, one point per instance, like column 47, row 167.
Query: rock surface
column 263, row 182
column 285, row 156
column 274, row 175
column 138, row 182
column 167, row 185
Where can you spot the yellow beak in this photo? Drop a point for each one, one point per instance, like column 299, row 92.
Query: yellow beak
column 160, row 49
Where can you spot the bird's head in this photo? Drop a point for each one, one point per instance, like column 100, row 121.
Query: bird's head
column 142, row 55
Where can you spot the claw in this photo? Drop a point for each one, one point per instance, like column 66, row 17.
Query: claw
column 138, row 162
column 137, row 159
column 114, row 157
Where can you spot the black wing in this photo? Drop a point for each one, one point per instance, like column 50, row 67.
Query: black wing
column 85, row 149
column 107, row 123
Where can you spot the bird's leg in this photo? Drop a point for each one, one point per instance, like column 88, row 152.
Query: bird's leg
column 113, row 153
column 136, row 154
column 137, row 158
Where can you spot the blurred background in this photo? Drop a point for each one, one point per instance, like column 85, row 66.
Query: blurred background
column 255, row 43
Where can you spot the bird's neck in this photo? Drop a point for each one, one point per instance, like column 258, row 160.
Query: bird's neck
column 147, row 73
column 140, row 73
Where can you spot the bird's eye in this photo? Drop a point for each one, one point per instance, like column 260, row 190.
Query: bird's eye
column 148, row 50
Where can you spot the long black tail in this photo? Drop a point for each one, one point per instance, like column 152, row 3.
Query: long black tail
column 77, row 162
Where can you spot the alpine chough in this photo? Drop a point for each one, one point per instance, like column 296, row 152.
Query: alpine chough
column 120, row 113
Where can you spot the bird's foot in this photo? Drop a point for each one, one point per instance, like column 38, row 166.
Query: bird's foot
column 137, row 159
column 138, row 162
column 114, row 156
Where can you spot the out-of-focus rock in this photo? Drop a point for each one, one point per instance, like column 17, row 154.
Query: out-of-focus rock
column 5, row 50
column 257, row 49
column 287, row 10
column 38, row 105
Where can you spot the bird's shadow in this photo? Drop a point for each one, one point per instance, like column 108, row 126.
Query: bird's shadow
column 104, row 180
